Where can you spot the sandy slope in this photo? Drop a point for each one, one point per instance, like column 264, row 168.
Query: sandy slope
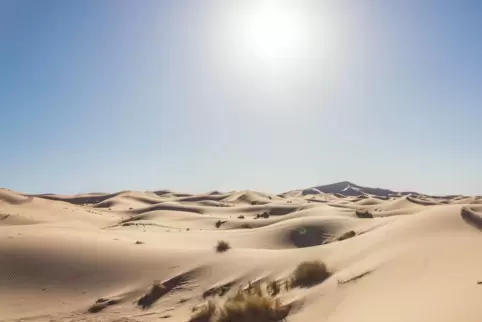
column 418, row 259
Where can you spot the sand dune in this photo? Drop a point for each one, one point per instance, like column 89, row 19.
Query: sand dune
column 146, row 256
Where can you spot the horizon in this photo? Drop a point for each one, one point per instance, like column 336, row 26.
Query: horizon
column 240, row 95
column 348, row 183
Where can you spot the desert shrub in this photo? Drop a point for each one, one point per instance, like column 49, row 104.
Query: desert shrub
column 263, row 215
column 219, row 223
column 254, row 289
column 101, row 304
column 245, row 307
column 241, row 217
column 246, row 226
column 204, row 313
column 348, row 234
column 273, row 288
column 363, row 214
column 251, row 304
column 309, row 273
column 155, row 292
column 222, row 246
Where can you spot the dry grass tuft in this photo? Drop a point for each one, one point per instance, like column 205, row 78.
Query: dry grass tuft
column 273, row 288
column 264, row 215
column 101, row 304
column 219, row 223
column 155, row 292
column 309, row 273
column 347, row 235
column 245, row 307
column 251, row 304
column 363, row 214
column 222, row 246
column 204, row 313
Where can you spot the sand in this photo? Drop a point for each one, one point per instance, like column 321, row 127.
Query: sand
column 416, row 258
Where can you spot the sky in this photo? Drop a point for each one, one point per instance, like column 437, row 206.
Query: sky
column 269, row 95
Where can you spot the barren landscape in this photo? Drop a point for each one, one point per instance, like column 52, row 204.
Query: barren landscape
column 379, row 255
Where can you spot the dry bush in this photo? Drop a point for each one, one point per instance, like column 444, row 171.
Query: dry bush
column 309, row 274
column 245, row 307
column 101, row 304
column 204, row 313
column 155, row 292
column 219, row 223
column 222, row 246
column 251, row 304
column 246, row 226
column 363, row 214
column 252, row 308
column 264, row 215
column 273, row 288
column 240, row 217
column 348, row 234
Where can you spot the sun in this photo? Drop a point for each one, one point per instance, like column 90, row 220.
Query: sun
column 264, row 33
column 272, row 32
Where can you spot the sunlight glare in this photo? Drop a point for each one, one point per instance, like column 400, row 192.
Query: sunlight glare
column 272, row 33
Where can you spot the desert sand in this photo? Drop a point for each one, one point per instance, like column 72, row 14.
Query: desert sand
column 92, row 257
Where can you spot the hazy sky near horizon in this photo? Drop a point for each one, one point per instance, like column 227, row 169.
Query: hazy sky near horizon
column 272, row 95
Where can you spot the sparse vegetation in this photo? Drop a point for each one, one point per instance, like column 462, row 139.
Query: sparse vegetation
column 138, row 242
column 364, row 214
column 309, row 273
column 155, row 292
column 252, row 308
column 263, row 215
column 246, row 226
column 248, row 305
column 218, row 290
column 219, row 223
column 204, row 313
column 241, row 217
column 222, row 246
column 273, row 288
column 348, row 234
column 101, row 304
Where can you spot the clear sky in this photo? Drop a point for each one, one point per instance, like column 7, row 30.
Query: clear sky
column 272, row 95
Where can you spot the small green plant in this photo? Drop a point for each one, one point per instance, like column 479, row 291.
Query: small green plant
column 222, row 246
column 309, row 273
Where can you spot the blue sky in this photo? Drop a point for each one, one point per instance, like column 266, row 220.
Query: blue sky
column 115, row 95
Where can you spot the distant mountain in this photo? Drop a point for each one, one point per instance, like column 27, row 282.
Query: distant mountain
column 347, row 188
column 350, row 189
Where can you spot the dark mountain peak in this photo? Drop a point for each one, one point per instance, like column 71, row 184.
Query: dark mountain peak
column 349, row 188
